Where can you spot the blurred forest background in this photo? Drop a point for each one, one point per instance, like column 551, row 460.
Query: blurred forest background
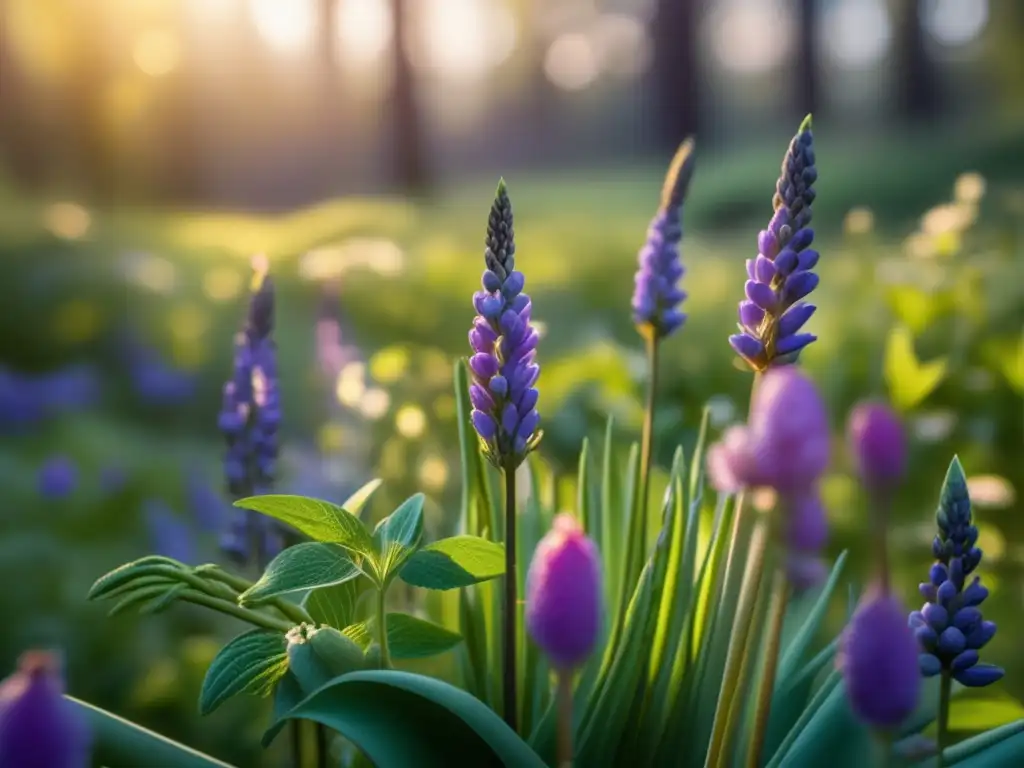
column 149, row 148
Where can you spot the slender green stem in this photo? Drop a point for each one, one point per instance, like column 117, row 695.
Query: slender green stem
column 233, row 609
column 647, row 441
column 321, row 746
column 945, row 688
column 564, row 694
column 881, row 505
column 510, row 631
column 883, row 744
column 736, row 704
column 382, row 627
column 762, row 713
column 718, row 747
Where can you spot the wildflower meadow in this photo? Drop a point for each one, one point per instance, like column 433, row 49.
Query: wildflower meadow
column 677, row 524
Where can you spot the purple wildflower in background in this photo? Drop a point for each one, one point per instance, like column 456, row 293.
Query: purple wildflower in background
column 879, row 446
column 784, row 446
column 170, row 535
column 773, row 313
column 27, row 400
column 249, row 420
column 154, row 381
column 563, row 594
column 657, row 295
column 950, row 627
column 57, row 478
column 504, row 343
column 20, row 408
column 878, row 659
column 206, row 504
column 39, row 728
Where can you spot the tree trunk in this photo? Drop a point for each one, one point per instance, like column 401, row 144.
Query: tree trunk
column 918, row 84
column 675, row 71
column 807, row 66
column 409, row 166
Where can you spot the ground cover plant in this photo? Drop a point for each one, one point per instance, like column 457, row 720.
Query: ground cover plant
column 684, row 632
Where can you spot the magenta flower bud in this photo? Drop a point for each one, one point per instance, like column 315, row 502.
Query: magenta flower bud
column 878, row 445
column 39, row 728
column 563, row 594
column 879, row 661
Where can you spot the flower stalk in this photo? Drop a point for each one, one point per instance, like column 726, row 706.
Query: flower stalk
column 762, row 712
column 382, row 628
column 510, row 624
column 564, row 695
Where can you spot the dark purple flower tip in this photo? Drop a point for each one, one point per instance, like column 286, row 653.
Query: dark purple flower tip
column 797, row 286
column 491, row 282
column 57, row 478
column 804, row 571
column 802, row 239
column 928, row 664
column 39, row 728
column 878, row 444
column 514, row 285
column 880, row 662
column 563, row 594
column 979, row 676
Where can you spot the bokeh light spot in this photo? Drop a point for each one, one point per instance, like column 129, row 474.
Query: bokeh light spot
column 411, row 421
column 389, row 364
column 69, row 221
column 375, row 403
column 222, row 284
column 571, row 62
column 156, row 52
column 286, row 25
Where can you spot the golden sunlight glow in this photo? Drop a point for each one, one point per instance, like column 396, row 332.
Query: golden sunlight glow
column 351, row 384
column 433, row 472
column 288, row 26
column 68, row 220
column 411, row 421
column 375, row 403
column 222, row 284
column 571, row 62
column 463, row 39
column 156, row 52
column 364, row 30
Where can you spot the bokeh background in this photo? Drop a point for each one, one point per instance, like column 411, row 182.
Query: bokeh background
column 150, row 148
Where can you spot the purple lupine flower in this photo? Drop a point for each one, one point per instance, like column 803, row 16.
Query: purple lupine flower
column 249, row 420
column 70, row 389
column 207, row 505
column 57, row 478
column 950, row 627
column 504, row 343
column 563, row 594
column 153, row 380
column 39, row 728
column 878, row 444
column 783, row 446
column 878, row 659
column 657, row 295
column 20, row 406
column 773, row 313
column 170, row 536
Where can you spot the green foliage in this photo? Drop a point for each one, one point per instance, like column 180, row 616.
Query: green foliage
column 397, row 718
column 455, row 562
column 300, row 568
column 408, row 636
column 910, row 381
column 318, row 519
column 251, row 663
column 397, row 537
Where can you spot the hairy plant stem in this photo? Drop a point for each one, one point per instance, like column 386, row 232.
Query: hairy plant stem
column 564, row 694
column 510, row 607
column 762, row 712
column 718, row 748
column 232, row 609
column 942, row 737
column 382, row 627
column 881, row 505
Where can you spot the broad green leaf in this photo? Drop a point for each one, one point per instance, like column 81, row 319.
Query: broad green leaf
column 399, row 720
column 408, row 636
column 998, row 748
column 455, row 562
column 354, row 504
column 118, row 742
column 398, row 535
column 792, row 695
column 300, row 567
column 927, row 707
column 287, row 695
column 318, row 519
column 335, row 605
column 979, row 714
column 823, row 694
column 1013, row 366
column 251, row 663
column 833, row 737
column 916, row 308
column 910, row 381
column 611, row 524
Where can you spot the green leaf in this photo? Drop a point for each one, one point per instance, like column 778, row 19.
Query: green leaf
column 455, row 562
column 1013, row 366
column 300, row 567
column 334, row 605
column 833, row 736
column 793, row 654
column 437, row 725
column 118, row 742
column 398, row 535
column 354, row 504
column 152, row 565
column 915, row 308
column 287, row 695
column 997, row 748
column 408, row 636
column 320, row 520
column 909, row 380
column 251, row 663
